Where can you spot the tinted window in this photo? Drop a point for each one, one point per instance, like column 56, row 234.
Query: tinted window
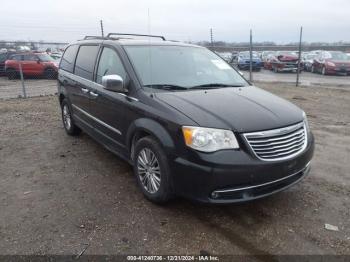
column 30, row 57
column 84, row 65
column 16, row 57
column 110, row 64
column 67, row 61
column 3, row 57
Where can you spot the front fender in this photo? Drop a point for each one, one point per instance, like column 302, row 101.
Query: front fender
column 152, row 127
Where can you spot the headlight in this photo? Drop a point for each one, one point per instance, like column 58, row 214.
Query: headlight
column 306, row 123
column 330, row 64
column 209, row 139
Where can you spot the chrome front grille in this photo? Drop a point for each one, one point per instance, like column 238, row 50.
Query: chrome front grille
column 278, row 144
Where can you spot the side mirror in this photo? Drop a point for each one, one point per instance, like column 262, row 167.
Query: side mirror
column 113, row 83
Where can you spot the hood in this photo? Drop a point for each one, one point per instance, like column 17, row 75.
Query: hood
column 243, row 109
column 287, row 58
column 339, row 62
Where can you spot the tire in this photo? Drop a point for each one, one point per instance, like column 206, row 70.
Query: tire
column 50, row 73
column 312, row 69
column 11, row 74
column 67, row 119
column 275, row 69
column 152, row 170
column 323, row 71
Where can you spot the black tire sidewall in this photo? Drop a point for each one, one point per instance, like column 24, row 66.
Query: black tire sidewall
column 74, row 130
column 164, row 192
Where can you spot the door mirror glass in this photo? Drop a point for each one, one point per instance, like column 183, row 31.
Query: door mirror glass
column 113, row 83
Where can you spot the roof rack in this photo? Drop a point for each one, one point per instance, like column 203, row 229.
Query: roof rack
column 94, row 37
column 121, row 34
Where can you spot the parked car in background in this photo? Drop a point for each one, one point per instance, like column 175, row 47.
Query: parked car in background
column 3, row 57
column 267, row 61
column 190, row 125
column 225, row 55
column 33, row 64
column 242, row 61
column 285, row 61
column 56, row 56
column 308, row 60
column 265, row 55
column 331, row 62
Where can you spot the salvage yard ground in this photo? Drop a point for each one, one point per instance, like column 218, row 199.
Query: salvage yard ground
column 62, row 195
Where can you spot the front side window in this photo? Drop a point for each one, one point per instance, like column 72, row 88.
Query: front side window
column 181, row 66
column 16, row 57
column 110, row 64
column 85, row 63
column 67, row 61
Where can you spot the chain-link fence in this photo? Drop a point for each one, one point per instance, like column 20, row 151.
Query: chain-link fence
column 27, row 74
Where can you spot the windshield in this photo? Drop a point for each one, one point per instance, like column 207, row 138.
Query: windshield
column 338, row 56
column 179, row 66
column 247, row 54
column 45, row 58
column 287, row 53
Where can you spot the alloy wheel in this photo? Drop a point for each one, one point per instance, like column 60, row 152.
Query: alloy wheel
column 66, row 117
column 148, row 169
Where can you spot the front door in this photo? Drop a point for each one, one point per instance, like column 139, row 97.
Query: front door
column 107, row 106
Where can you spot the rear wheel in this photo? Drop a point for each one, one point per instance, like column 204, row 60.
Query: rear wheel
column 11, row 74
column 67, row 119
column 152, row 171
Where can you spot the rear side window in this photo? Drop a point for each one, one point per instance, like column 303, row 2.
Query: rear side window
column 109, row 64
column 30, row 58
column 85, row 62
column 67, row 61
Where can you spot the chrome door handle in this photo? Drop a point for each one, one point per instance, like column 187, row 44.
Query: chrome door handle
column 85, row 90
column 93, row 94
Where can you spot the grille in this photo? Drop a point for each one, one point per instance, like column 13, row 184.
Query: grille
column 278, row 144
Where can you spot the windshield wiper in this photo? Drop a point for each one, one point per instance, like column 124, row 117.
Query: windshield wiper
column 167, row 87
column 214, row 85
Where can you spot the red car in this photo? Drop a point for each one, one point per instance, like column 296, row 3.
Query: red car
column 285, row 61
column 331, row 62
column 33, row 64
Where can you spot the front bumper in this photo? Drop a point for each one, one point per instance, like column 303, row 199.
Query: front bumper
column 338, row 71
column 230, row 176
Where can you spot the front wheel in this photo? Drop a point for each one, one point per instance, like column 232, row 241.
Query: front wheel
column 50, row 73
column 152, row 171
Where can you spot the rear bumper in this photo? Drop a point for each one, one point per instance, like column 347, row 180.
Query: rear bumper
column 237, row 176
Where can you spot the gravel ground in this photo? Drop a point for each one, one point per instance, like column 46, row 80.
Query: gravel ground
column 64, row 195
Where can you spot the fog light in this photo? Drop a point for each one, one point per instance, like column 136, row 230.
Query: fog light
column 214, row 195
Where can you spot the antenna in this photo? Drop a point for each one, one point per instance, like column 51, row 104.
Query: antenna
column 149, row 46
column 101, row 24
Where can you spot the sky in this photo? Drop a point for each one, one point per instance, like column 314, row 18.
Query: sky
column 184, row 20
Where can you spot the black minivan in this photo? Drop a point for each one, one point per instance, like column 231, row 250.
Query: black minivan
column 188, row 123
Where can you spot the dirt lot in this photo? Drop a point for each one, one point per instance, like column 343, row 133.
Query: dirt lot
column 63, row 195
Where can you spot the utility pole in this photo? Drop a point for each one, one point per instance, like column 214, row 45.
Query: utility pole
column 102, row 33
column 298, row 70
column 211, row 37
column 251, row 57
